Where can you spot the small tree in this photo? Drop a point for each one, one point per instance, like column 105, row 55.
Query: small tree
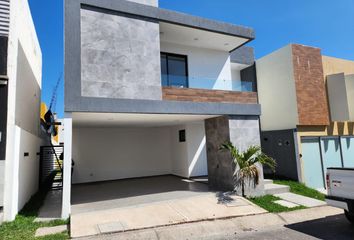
column 246, row 169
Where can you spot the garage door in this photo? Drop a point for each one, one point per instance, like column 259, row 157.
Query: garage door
column 348, row 151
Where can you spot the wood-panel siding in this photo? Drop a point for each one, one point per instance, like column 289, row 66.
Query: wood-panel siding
column 310, row 86
column 206, row 95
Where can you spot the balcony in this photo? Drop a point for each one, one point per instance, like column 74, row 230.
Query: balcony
column 202, row 89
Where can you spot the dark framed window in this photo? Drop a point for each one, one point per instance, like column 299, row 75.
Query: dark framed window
column 174, row 70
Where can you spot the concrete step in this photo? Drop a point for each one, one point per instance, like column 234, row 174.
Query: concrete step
column 268, row 181
column 272, row 189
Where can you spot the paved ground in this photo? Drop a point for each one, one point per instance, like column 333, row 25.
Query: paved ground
column 131, row 192
column 51, row 208
column 145, row 203
column 316, row 223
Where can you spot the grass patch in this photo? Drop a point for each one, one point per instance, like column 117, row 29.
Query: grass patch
column 301, row 189
column 24, row 227
column 267, row 202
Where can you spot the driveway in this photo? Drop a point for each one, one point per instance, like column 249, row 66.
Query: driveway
column 127, row 205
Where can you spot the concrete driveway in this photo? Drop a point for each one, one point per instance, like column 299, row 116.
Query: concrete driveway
column 126, row 205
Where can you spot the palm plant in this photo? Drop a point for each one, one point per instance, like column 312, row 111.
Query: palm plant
column 246, row 164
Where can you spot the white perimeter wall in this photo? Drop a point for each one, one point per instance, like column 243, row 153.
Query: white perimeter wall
column 116, row 153
column 207, row 68
column 24, row 64
column 276, row 90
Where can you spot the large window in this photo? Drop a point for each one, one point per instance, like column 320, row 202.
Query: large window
column 174, row 71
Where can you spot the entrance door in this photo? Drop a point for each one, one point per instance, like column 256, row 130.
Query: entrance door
column 312, row 166
column 347, row 144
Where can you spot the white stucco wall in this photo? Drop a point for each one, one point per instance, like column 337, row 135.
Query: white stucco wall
column 179, row 152
column 276, row 90
column 117, row 153
column 28, row 167
column 20, row 178
column 207, row 68
column 196, row 145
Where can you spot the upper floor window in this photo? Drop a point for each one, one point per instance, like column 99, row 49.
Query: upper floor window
column 174, row 70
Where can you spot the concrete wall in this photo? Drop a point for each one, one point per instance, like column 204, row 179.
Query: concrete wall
column 207, row 68
column 28, row 96
column 116, row 153
column 120, row 56
column 282, row 145
column 21, row 178
column 276, row 90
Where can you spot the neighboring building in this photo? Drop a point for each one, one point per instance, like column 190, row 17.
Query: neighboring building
column 150, row 91
column 307, row 112
column 20, row 94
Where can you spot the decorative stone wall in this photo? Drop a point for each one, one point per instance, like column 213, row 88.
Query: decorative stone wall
column 120, row 56
column 242, row 131
column 310, row 87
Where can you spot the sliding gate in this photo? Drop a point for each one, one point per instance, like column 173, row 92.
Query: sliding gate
column 51, row 167
column 320, row 153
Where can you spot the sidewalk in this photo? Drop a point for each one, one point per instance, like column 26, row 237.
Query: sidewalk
column 172, row 212
column 227, row 228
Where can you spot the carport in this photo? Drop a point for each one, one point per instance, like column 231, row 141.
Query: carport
column 134, row 171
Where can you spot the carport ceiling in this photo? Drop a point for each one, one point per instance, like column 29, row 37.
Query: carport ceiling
column 133, row 120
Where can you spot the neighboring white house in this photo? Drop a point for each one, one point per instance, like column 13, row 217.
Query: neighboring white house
column 20, row 86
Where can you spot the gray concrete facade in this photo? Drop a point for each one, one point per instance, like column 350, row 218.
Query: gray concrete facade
column 242, row 131
column 120, row 56
column 243, row 55
column 93, row 32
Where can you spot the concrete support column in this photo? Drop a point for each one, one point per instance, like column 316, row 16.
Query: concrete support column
column 66, row 202
column 242, row 131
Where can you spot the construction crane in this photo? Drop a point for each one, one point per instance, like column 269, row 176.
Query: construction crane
column 49, row 117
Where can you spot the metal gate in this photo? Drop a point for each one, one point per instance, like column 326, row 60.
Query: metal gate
column 51, row 167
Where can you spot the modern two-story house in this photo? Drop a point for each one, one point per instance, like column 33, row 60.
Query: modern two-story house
column 20, row 96
column 307, row 112
column 151, row 92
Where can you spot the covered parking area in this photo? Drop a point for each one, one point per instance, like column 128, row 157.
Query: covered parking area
column 131, row 171
column 121, row 160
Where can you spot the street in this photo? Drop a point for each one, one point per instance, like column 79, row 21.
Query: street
column 334, row 227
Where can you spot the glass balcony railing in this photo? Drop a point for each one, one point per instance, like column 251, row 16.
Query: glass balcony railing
column 207, row 83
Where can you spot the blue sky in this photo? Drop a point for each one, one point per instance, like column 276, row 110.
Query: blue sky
column 326, row 24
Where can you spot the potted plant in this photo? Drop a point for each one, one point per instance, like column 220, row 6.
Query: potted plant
column 246, row 170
